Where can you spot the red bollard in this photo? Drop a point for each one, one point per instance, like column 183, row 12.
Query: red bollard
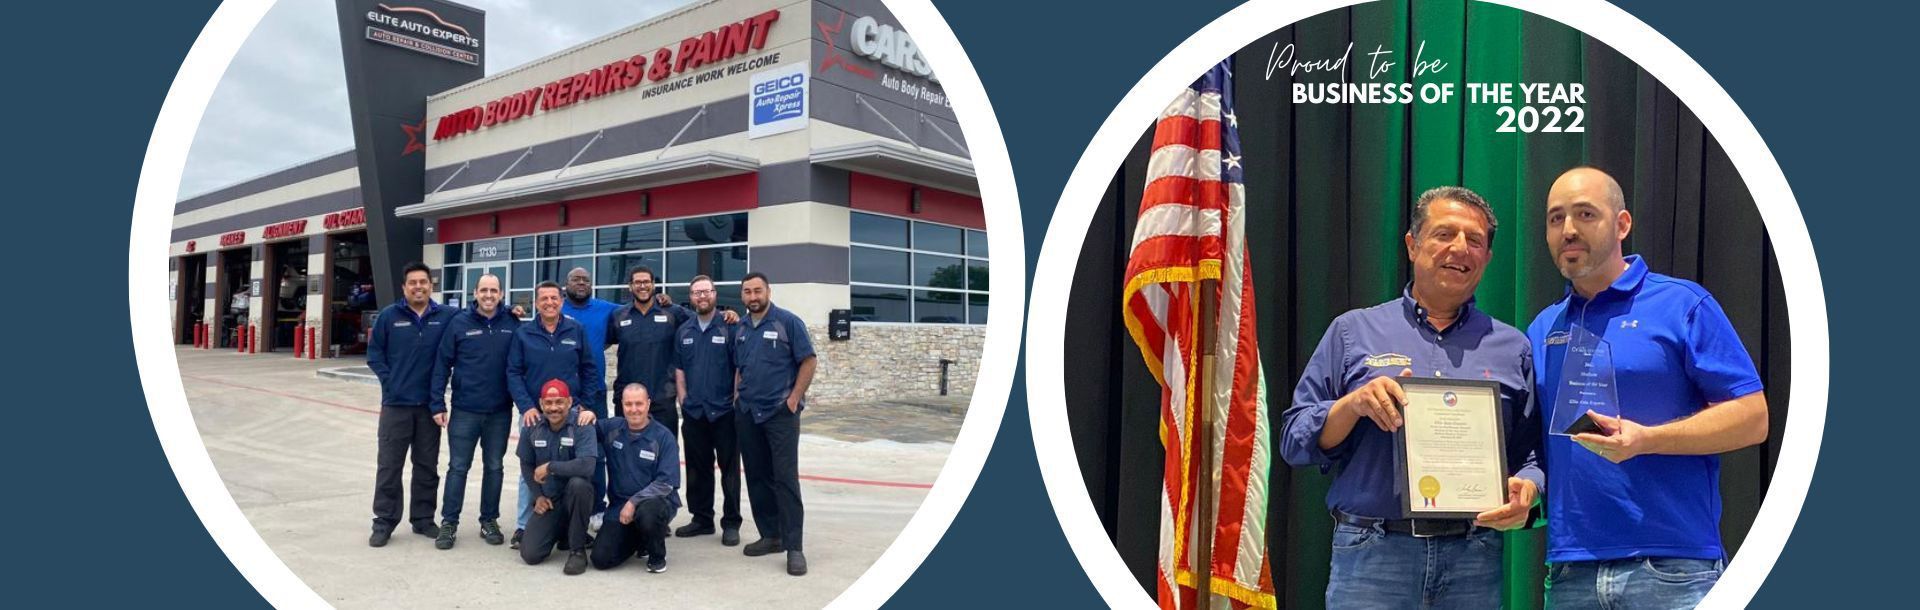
column 196, row 335
column 238, row 344
column 313, row 343
column 253, row 340
column 299, row 339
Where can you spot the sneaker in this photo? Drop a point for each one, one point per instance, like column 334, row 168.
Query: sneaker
column 796, row 563
column 693, row 529
column 426, row 529
column 516, row 538
column 490, row 532
column 445, row 540
column 593, row 523
column 380, row 537
column 763, row 546
column 576, row 563
column 730, row 537
column 657, row 565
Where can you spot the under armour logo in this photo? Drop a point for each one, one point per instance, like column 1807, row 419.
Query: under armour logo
column 1629, row 324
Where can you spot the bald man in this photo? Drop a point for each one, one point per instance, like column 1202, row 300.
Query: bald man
column 1634, row 511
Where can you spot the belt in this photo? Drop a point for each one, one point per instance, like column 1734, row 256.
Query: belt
column 1418, row 528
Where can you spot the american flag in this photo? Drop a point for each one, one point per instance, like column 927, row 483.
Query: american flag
column 1192, row 228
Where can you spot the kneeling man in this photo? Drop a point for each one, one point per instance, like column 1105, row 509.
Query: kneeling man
column 643, row 476
column 557, row 459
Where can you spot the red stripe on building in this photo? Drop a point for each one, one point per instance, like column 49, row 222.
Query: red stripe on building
column 729, row 194
column 895, row 198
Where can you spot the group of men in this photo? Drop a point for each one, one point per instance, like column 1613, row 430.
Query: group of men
column 739, row 382
column 1632, row 507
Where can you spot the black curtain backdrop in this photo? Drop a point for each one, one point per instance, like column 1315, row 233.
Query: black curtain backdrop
column 1329, row 189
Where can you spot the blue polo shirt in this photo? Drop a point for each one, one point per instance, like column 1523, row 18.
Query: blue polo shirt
column 768, row 355
column 537, row 356
column 1381, row 341
column 1673, row 353
column 645, row 342
column 593, row 319
column 640, row 465
column 706, row 358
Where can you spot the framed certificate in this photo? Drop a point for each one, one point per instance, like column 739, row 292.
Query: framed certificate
column 1450, row 450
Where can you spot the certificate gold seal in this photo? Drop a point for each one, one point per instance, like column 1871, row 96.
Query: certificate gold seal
column 1429, row 489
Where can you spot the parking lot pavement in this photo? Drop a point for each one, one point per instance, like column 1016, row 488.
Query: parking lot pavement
column 296, row 451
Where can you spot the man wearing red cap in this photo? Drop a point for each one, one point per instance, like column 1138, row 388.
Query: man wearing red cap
column 557, row 460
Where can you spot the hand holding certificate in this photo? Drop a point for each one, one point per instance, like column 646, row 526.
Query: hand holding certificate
column 1451, row 448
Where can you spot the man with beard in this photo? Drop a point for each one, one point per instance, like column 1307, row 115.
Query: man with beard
column 1347, row 406
column 406, row 335
column 557, row 456
column 553, row 346
column 474, row 355
column 775, row 360
column 643, row 333
column 705, row 378
column 643, row 465
column 1635, row 517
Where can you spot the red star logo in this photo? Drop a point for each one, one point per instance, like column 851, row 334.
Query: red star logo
column 834, row 58
column 413, row 138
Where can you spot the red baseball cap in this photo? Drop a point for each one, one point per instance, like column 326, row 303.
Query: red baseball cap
column 554, row 389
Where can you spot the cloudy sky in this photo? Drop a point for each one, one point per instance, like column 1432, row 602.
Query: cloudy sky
column 287, row 79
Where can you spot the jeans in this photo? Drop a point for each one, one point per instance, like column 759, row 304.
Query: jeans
column 1373, row 568
column 771, row 453
column 1645, row 582
column 464, row 430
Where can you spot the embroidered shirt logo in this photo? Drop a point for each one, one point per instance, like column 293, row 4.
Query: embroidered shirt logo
column 1558, row 337
column 1629, row 324
column 1383, row 360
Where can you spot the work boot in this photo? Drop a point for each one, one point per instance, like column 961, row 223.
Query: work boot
column 657, row 565
column 426, row 529
column 445, row 540
column 380, row 537
column 516, row 539
column 490, row 532
column 576, row 563
column 730, row 537
column 693, row 529
column 762, row 547
column 796, row 563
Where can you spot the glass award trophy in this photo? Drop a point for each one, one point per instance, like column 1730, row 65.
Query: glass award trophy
column 1586, row 385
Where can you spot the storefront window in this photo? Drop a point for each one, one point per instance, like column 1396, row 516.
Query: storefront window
column 916, row 272
column 676, row 250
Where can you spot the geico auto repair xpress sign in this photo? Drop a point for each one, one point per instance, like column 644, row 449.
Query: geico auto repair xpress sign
column 777, row 101
column 693, row 61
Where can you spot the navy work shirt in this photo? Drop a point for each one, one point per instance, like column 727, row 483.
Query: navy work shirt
column 768, row 355
column 1381, row 341
column 402, row 350
column 474, row 355
column 640, row 465
column 537, row 356
column 1674, row 352
column 706, row 359
column 646, row 344
column 571, row 451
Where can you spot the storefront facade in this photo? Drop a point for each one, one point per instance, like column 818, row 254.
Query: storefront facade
column 804, row 140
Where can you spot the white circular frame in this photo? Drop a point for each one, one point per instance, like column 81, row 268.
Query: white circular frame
column 1806, row 303
column 147, row 254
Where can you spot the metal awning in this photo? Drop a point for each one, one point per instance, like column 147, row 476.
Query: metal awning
column 901, row 162
column 659, row 172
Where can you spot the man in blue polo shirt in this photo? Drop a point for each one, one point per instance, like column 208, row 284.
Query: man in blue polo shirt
column 1347, row 407
column 552, row 346
column 1634, row 519
column 473, row 354
column 591, row 312
column 705, row 378
column 406, row 336
column 643, row 465
column 775, row 358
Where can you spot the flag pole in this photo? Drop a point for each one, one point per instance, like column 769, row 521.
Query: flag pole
column 1202, row 435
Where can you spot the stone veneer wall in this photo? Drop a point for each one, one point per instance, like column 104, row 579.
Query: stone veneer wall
column 888, row 361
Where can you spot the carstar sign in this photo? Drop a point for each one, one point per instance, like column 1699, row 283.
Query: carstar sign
column 738, row 38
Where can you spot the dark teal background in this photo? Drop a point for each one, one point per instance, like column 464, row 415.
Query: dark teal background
column 95, row 516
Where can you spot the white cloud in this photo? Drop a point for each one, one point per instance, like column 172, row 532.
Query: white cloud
column 283, row 101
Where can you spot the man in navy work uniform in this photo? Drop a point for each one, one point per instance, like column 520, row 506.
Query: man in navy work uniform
column 705, row 378
column 552, row 346
column 775, row 359
column 643, row 332
column 1634, row 519
column 1347, row 407
column 643, row 462
column 473, row 354
column 401, row 352
column 591, row 312
column 557, row 457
